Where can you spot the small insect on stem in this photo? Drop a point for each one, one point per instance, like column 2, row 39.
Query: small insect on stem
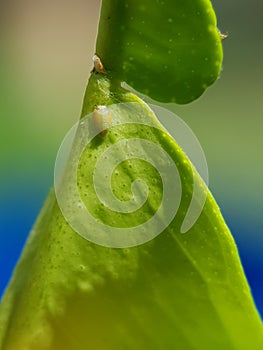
column 223, row 36
column 98, row 66
column 102, row 119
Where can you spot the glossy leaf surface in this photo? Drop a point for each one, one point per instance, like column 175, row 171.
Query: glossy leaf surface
column 178, row 291
column 169, row 50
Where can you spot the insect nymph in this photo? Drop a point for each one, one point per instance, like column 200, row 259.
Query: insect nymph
column 98, row 66
column 102, row 119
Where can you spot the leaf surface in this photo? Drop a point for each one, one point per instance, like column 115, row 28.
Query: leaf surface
column 174, row 292
column 169, row 50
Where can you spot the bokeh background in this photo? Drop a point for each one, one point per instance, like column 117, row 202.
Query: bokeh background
column 46, row 49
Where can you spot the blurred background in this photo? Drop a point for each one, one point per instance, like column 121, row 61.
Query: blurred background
column 46, row 50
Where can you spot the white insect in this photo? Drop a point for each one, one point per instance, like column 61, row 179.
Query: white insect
column 102, row 119
column 98, row 66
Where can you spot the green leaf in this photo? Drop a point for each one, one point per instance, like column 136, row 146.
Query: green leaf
column 169, row 50
column 174, row 292
column 178, row 291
